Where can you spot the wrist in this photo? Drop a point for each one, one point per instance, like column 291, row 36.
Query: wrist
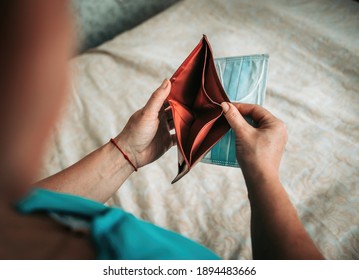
column 122, row 153
column 256, row 177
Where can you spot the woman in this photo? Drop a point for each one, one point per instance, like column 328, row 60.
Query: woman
column 39, row 224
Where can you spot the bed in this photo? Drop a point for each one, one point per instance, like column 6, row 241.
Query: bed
column 313, row 83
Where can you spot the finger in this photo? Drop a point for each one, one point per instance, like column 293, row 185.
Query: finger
column 234, row 118
column 256, row 112
column 155, row 103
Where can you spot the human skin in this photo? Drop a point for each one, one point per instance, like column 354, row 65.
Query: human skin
column 34, row 51
column 276, row 230
column 144, row 139
column 34, row 84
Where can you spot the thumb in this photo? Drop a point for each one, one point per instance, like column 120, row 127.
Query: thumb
column 234, row 118
column 154, row 104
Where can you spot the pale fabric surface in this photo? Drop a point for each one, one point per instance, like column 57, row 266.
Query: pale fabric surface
column 312, row 85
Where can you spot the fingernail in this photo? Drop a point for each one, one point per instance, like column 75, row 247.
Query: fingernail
column 225, row 107
column 164, row 83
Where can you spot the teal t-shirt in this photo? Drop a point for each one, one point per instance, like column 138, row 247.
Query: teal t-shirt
column 115, row 233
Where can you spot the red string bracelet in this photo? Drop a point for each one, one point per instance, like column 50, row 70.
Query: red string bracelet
column 124, row 154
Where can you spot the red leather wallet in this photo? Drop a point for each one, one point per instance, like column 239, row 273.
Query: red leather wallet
column 195, row 98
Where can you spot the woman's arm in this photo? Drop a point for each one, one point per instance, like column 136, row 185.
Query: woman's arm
column 97, row 176
column 276, row 230
column 144, row 139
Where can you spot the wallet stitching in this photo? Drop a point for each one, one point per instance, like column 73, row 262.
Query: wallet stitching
column 216, row 78
column 230, row 60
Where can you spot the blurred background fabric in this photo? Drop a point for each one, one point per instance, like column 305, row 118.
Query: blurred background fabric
column 313, row 84
column 98, row 21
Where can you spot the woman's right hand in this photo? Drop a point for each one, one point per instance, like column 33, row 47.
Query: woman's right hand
column 259, row 149
column 276, row 230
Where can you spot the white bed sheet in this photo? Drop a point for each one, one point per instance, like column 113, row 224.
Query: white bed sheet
column 312, row 85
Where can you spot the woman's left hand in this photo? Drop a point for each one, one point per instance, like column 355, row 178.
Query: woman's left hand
column 146, row 136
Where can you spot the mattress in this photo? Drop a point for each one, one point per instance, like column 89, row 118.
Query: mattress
column 313, row 82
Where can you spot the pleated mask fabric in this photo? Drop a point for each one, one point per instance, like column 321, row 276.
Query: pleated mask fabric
column 244, row 80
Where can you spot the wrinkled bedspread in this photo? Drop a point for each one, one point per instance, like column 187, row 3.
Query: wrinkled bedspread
column 312, row 86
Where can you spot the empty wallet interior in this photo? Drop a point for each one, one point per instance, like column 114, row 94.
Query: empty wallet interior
column 195, row 98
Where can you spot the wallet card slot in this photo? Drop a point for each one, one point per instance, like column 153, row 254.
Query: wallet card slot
column 203, row 97
column 218, row 129
column 182, row 111
column 205, row 109
column 191, row 128
column 182, row 119
column 198, row 133
column 210, row 80
column 200, row 127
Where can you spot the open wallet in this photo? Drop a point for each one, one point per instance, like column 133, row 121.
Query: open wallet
column 199, row 86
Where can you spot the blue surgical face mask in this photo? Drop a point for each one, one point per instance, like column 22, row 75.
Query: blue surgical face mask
column 244, row 80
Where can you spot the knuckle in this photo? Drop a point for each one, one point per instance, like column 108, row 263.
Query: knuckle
column 147, row 113
column 282, row 127
column 158, row 93
column 231, row 114
column 143, row 111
